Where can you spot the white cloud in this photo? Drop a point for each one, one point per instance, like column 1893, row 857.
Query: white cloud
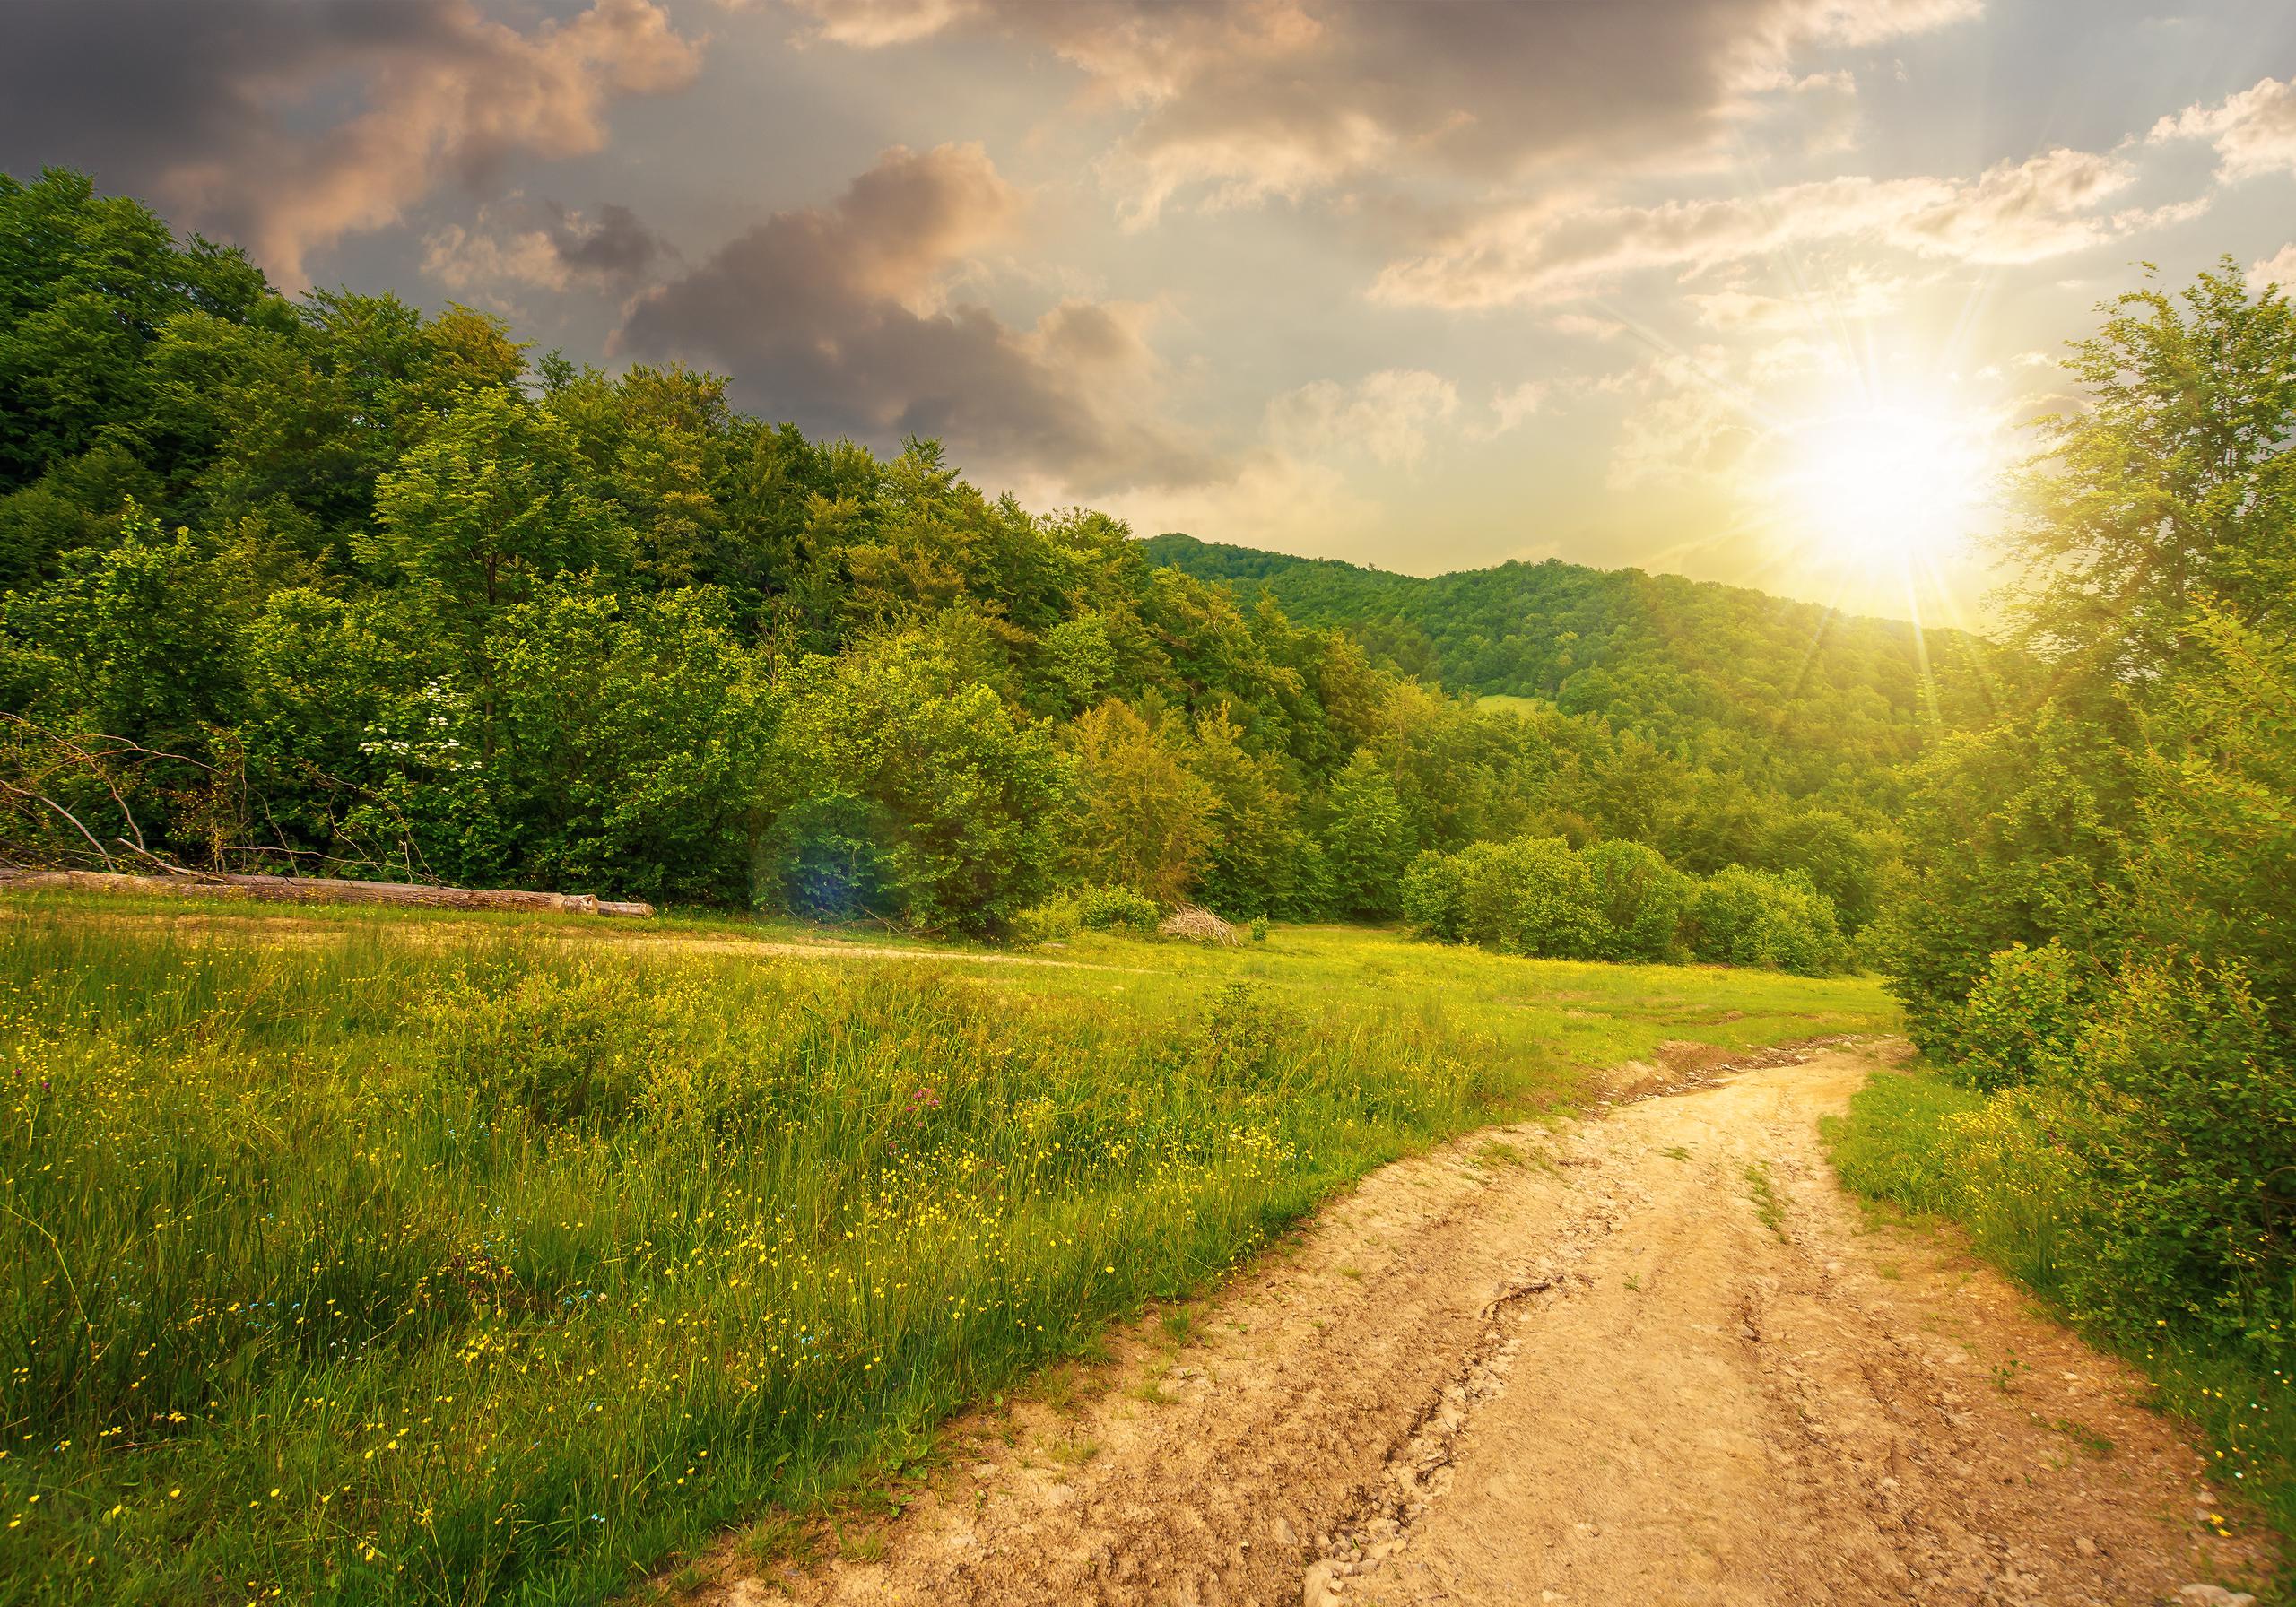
column 1510, row 405
column 1542, row 252
column 2254, row 131
column 1243, row 102
column 1387, row 415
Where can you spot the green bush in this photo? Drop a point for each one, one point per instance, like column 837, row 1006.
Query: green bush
column 1644, row 901
column 2182, row 1116
column 1531, row 895
column 1431, row 893
column 1758, row 918
column 2023, row 1018
column 1086, row 909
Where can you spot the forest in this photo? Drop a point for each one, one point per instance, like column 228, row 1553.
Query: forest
column 330, row 583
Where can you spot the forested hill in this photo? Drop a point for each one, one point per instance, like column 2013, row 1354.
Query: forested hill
column 1798, row 696
column 332, row 585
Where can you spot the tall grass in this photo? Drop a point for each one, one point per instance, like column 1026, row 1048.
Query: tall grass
column 400, row 1261
column 1933, row 1147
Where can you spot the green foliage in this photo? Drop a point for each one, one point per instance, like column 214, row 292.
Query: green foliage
column 954, row 799
column 2022, row 1171
column 1367, row 839
column 1758, row 918
column 1144, row 819
column 2178, row 1113
column 490, row 501
column 2096, row 912
column 1618, row 901
column 1087, row 908
column 1785, row 695
column 2022, row 1021
column 87, row 285
column 1432, row 897
column 398, row 602
column 629, row 732
column 1531, row 895
column 2171, row 488
column 1644, row 902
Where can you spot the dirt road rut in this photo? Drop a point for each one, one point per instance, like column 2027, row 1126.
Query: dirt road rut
column 1655, row 1357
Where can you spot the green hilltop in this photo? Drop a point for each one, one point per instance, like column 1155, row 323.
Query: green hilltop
column 1800, row 697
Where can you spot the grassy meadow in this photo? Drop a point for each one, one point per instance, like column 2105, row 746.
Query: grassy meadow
column 418, row 1258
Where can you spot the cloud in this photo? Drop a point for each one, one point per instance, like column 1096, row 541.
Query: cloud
column 1239, row 103
column 1547, row 251
column 1510, row 406
column 609, row 244
column 1386, row 416
column 1686, row 422
column 2279, row 268
column 288, row 124
column 1857, row 292
column 2021, row 211
column 541, row 247
column 2253, row 132
column 840, row 317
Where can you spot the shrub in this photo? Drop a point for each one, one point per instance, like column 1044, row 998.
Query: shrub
column 1643, row 901
column 2183, row 1114
column 1086, row 909
column 1430, row 898
column 1758, row 918
column 1532, row 896
column 2022, row 1019
column 1113, row 908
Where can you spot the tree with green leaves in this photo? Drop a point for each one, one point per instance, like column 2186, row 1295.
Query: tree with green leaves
column 1367, row 838
column 2169, row 488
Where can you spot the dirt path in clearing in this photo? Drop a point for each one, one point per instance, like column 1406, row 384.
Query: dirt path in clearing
column 1654, row 1358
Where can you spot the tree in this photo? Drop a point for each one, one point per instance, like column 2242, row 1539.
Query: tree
column 631, row 741
column 1143, row 818
column 1531, row 895
column 1252, row 865
column 944, row 806
column 1367, row 839
column 87, row 284
column 1756, row 918
column 1643, row 901
column 492, row 500
column 2172, row 484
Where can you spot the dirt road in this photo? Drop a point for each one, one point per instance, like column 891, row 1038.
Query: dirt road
column 1652, row 1358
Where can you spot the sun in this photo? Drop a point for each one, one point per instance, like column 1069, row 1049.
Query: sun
column 1889, row 489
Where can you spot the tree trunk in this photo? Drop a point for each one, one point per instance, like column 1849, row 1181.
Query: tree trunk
column 320, row 889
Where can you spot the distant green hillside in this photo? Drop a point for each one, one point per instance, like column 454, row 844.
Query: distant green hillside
column 1795, row 695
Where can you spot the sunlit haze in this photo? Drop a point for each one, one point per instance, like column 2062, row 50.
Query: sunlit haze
column 1755, row 290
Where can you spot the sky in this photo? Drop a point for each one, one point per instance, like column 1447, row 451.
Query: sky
column 1763, row 291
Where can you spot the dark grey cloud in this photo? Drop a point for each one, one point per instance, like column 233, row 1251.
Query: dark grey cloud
column 608, row 243
column 287, row 123
column 1242, row 100
column 839, row 318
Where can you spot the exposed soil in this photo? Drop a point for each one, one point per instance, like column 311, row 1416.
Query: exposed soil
column 1653, row 1357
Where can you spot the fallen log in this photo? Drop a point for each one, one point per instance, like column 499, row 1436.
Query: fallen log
column 319, row 889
